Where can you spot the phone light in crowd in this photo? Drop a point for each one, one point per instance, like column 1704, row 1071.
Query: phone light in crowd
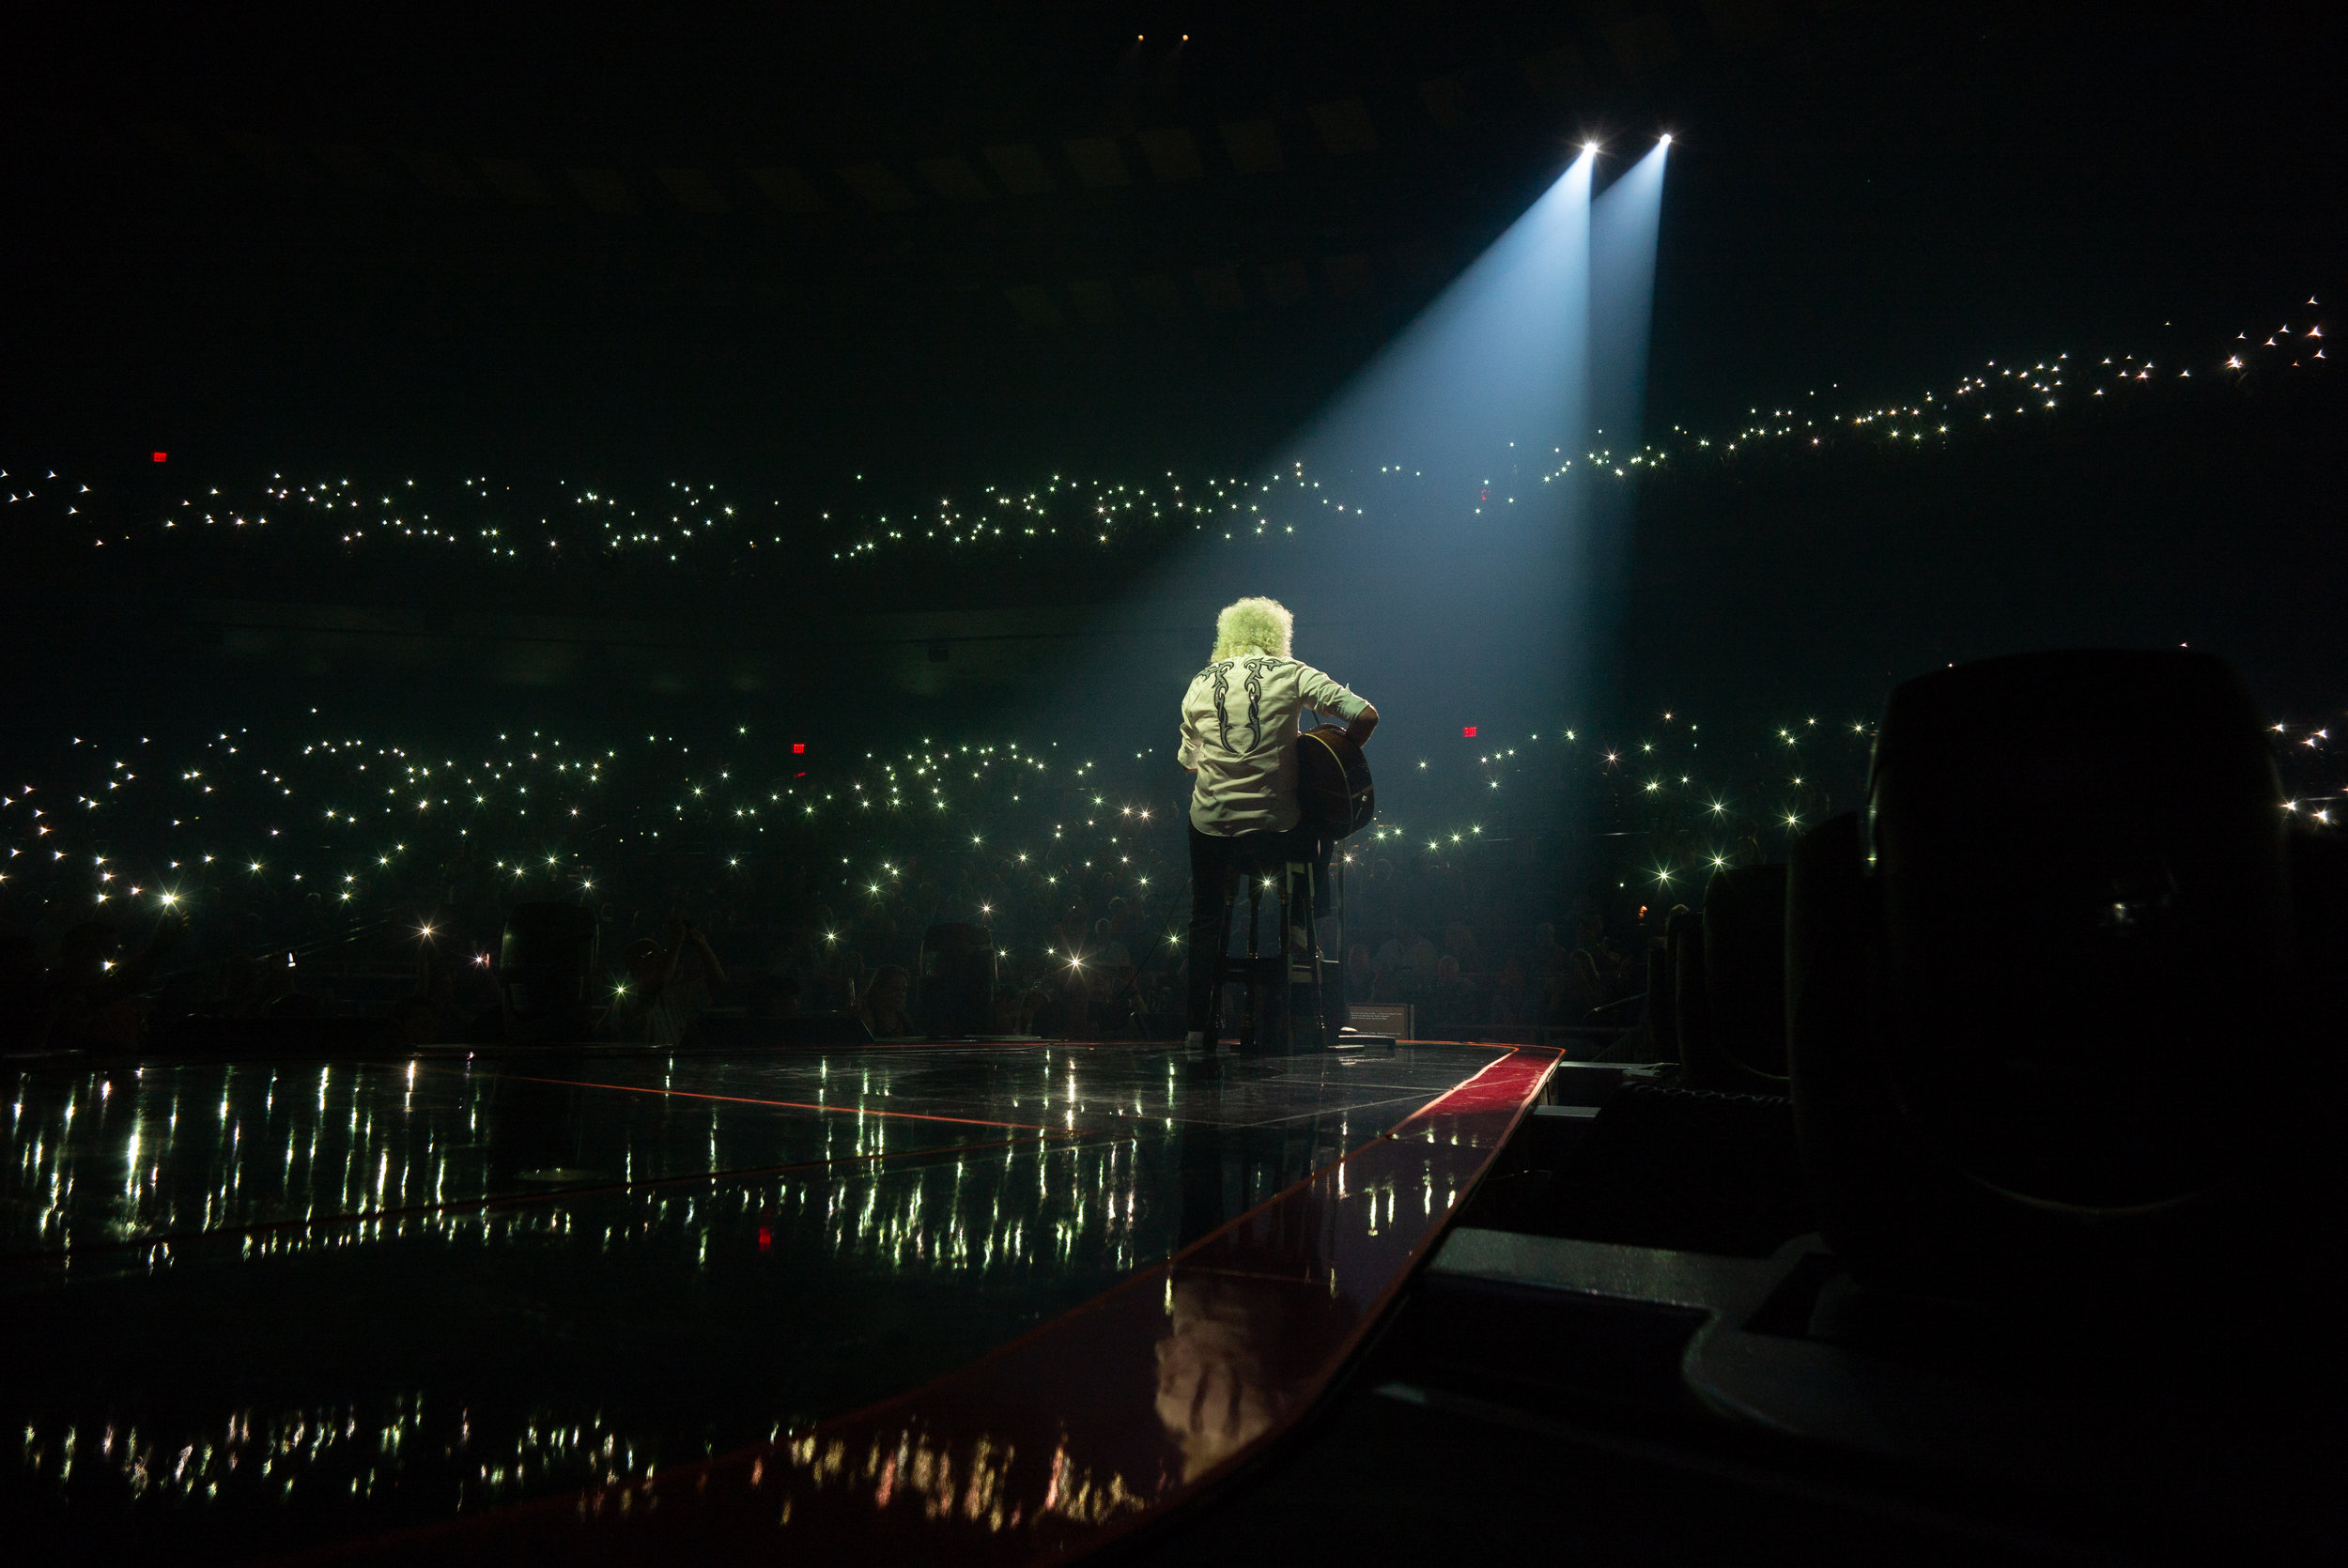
column 1467, row 732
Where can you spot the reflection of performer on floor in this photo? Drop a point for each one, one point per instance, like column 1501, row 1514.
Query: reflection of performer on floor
column 1239, row 722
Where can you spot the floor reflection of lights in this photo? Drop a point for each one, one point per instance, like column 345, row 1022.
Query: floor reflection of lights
column 328, row 1288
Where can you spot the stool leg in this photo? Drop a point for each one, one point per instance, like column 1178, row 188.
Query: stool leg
column 1222, row 942
column 1300, row 957
column 1247, row 1005
column 1288, row 959
column 1312, row 956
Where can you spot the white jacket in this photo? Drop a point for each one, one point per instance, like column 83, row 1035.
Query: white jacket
column 1239, row 731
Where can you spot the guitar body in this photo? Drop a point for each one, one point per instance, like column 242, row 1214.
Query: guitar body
column 1333, row 789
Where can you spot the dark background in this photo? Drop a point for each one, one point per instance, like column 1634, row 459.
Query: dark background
column 304, row 240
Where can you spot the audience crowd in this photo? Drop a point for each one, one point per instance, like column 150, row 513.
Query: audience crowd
column 699, row 528
column 252, row 876
column 262, row 876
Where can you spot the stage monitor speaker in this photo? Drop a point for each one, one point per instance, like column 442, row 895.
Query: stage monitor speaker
column 957, row 981
column 2040, row 991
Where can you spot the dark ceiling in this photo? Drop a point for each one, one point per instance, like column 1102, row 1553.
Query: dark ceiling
column 963, row 241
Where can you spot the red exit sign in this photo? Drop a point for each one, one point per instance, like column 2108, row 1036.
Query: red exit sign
column 1467, row 733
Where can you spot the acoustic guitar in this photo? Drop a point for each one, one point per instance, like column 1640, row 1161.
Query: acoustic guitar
column 1333, row 791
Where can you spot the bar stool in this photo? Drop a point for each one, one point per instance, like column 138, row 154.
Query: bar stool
column 1283, row 989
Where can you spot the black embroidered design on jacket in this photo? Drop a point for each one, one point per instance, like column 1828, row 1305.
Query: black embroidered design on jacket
column 1222, row 673
column 1255, row 669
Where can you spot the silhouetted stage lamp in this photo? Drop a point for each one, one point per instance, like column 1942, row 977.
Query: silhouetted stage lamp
column 545, row 972
column 2051, row 997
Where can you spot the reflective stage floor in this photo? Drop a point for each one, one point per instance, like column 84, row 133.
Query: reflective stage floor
column 935, row 1303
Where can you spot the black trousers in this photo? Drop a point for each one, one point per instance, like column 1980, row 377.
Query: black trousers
column 1216, row 863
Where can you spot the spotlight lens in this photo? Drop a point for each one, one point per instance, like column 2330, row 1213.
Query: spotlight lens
column 1667, row 138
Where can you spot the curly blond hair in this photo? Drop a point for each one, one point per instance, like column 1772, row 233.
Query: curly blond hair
column 1260, row 624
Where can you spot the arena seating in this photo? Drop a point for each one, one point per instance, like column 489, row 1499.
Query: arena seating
column 1664, row 953
column 1730, row 984
column 956, row 979
column 546, row 972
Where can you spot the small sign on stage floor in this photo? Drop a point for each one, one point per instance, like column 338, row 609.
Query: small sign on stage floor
column 1380, row 1018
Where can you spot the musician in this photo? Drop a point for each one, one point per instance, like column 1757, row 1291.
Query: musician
column 1241, row 717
